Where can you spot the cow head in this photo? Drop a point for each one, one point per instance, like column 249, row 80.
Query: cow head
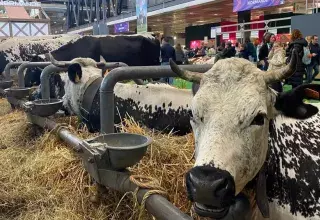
column 230, row 115
column 75, row 66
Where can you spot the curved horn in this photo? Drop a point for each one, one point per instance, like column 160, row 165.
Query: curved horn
column 185, row 74
column 58, row 63
column 101, row 64
column 285, row 72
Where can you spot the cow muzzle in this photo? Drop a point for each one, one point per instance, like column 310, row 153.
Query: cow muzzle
column 213, row 193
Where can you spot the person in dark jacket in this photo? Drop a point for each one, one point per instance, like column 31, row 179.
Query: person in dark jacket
column 264, row 51
column 244, row 52
column 297, row 43
column 268, row 41
column 249, row 47
column 227, row 52
column 167, row 53
column 315, row 59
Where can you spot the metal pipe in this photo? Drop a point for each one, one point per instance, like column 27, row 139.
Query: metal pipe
column 8, row 68
column 125, row 73
column 121, row 64
column 45, row 79
column 156, row 205
column 23, row 66
column 49, row 69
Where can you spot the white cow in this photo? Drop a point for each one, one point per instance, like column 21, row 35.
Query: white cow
column 240, row 124
column 157, row 106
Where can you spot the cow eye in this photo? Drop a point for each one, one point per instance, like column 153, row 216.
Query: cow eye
column 259, row 119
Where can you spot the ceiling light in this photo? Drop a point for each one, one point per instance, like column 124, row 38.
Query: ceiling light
column 215, row 14
column 175, row 37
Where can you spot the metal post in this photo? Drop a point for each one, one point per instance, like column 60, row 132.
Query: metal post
column 8, row 68
column 157, row 205
column 23, row 66
column 97, row 10
column 104, row 11
column 125, row 73
column 44, row 79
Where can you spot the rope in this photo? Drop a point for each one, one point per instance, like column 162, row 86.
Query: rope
column 149, row 183
column 55, row 130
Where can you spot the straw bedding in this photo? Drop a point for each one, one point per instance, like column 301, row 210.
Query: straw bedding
column 41, row 178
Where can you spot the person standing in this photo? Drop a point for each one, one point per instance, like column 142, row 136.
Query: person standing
column 315, row 59
column 180, row 56
column 167, row 53
column 297, row 43
column 249, row 47
column 268, row 41
column 276, row 60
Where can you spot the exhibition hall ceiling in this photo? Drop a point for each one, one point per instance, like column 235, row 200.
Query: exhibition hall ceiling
column 207, row 13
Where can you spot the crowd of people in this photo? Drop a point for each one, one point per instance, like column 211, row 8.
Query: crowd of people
column 271, row 54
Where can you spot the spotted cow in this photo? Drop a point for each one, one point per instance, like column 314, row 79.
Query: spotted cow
column 157, row 106
column 249, row 137
column 19, row 49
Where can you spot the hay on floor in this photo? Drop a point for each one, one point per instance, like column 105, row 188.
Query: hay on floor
column 41, row 178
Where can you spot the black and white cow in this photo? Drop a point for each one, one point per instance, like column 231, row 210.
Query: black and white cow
column 158, row 106
column 18, row 49
column 134, row 50
column 241, row 127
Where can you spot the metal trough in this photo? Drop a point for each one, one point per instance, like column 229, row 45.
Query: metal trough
column 43, row 107
column 120, row 150
column 126, row 73
column 18, row 93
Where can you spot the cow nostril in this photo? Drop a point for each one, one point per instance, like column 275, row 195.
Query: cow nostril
column 210, row 186
column 223, row 187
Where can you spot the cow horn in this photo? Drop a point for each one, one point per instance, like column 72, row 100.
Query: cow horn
column 285, row 72
column 58, row 63
column 185, row 74
column 101, row 64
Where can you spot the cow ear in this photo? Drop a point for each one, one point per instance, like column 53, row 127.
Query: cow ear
column 291, row 103
column 75, row 72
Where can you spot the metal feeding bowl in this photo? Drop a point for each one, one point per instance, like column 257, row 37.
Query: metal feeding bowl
column 6, row 84
column 18, row 93
column 122, row 149
column 43, row 107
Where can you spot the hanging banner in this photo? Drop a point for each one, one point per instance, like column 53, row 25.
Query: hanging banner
column 141, row 12
column 254, row 34
column 121, row 27
column 20, row 3
column 273, row 31
column 243, row 5
column 213, row 33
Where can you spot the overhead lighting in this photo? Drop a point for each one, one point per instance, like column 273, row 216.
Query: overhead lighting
column 215, row 14
column 175, row 37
